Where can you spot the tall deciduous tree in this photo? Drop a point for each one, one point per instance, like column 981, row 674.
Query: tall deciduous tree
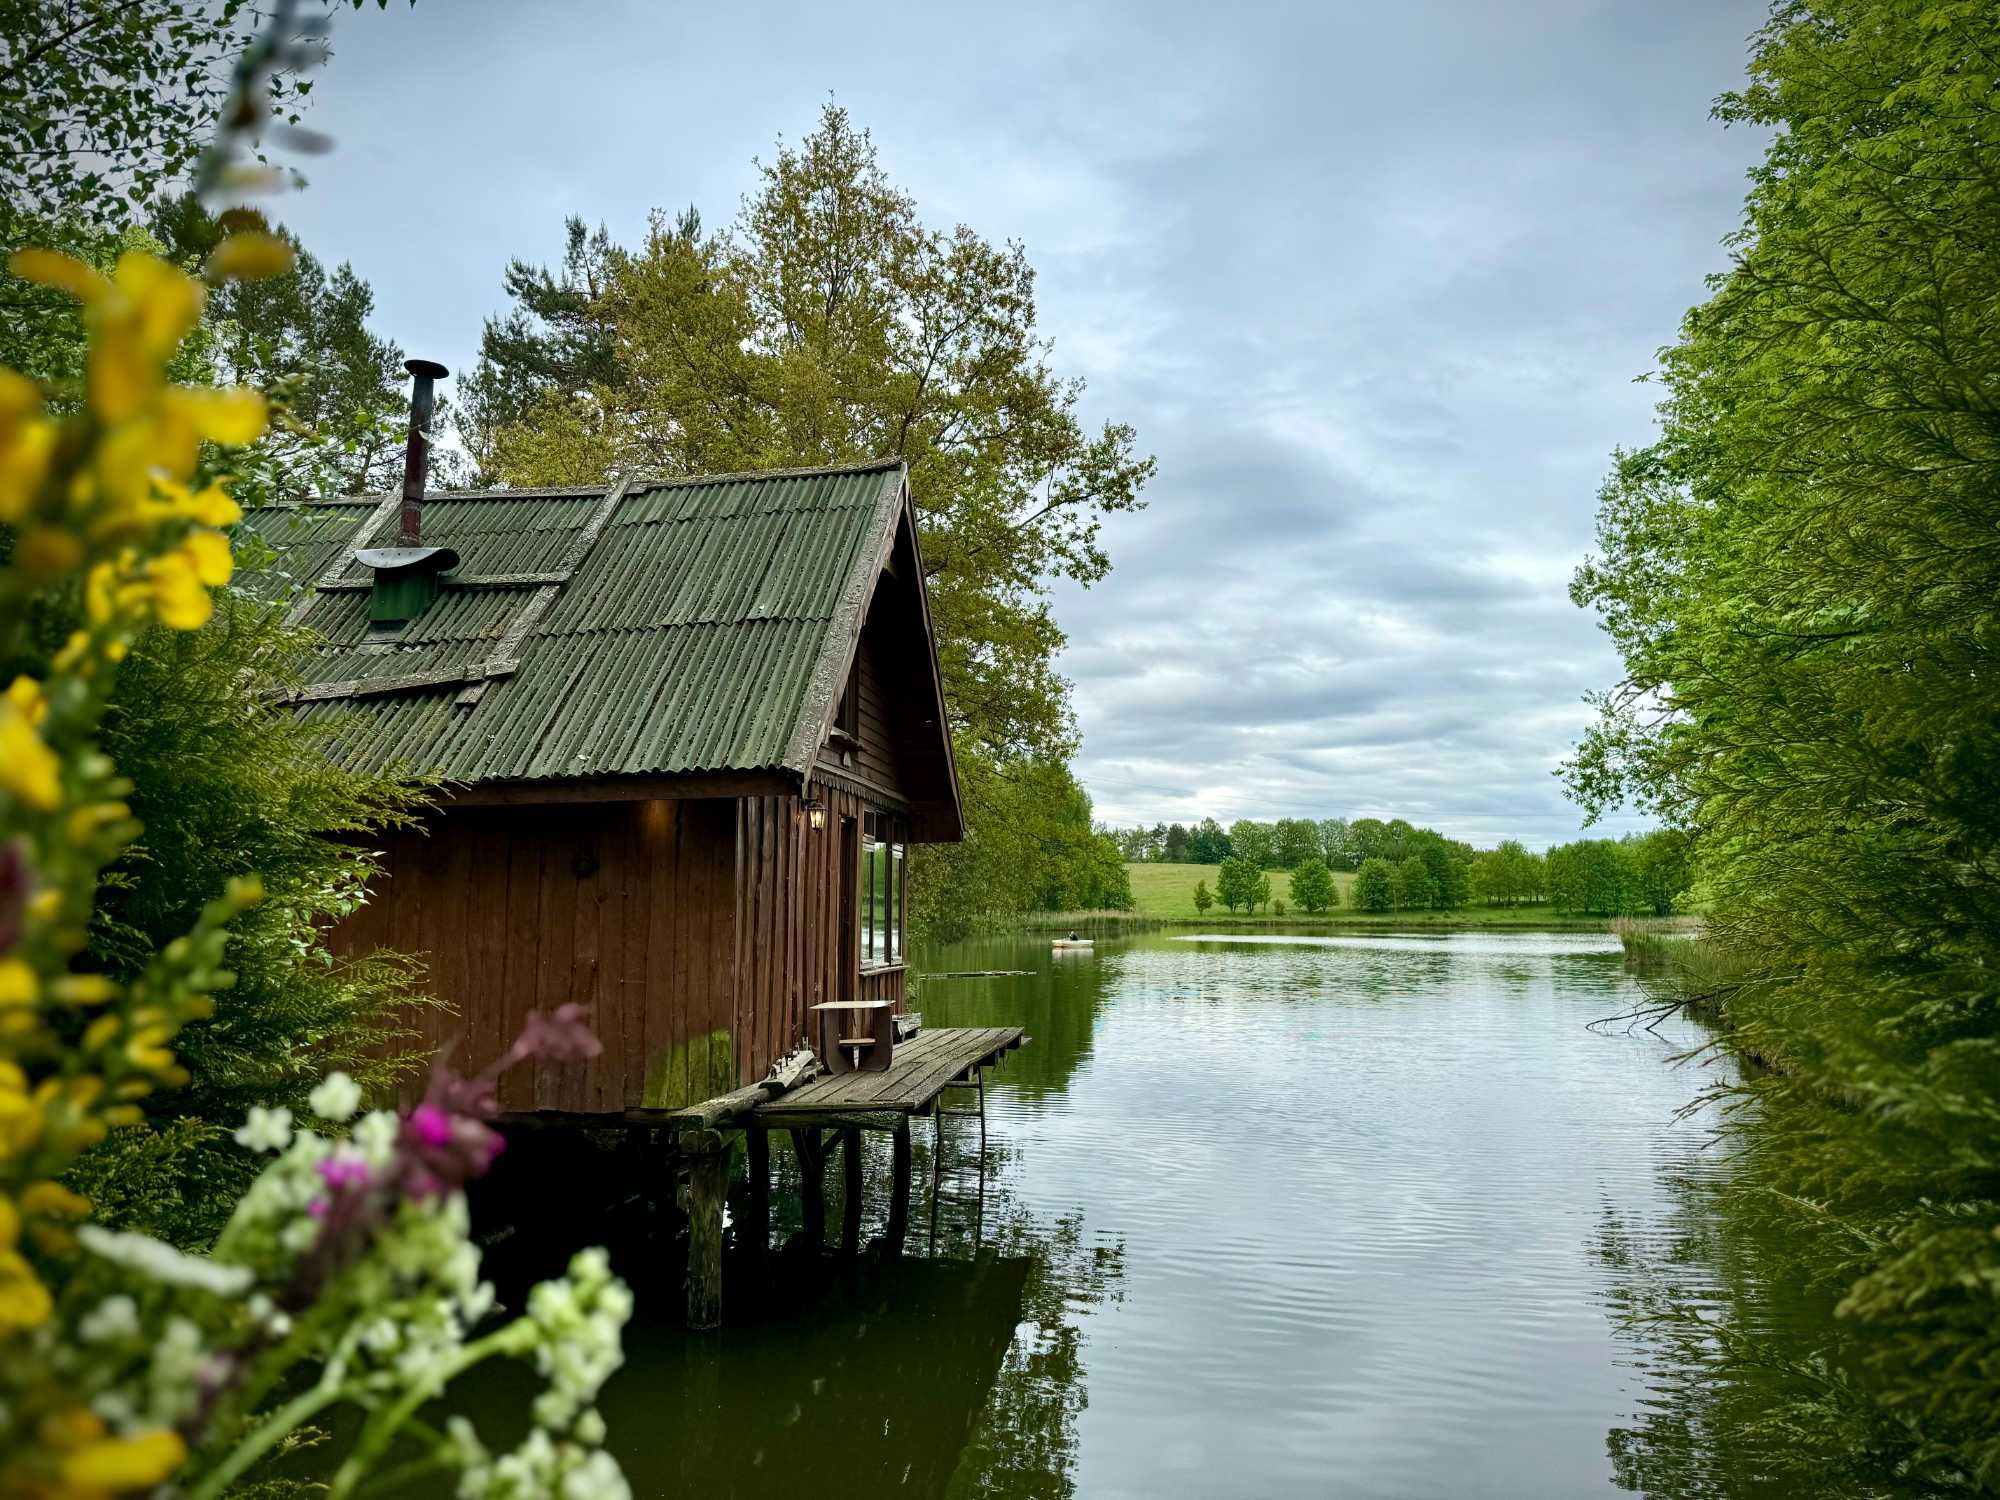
column 1312, row 886
column 1375, row 885
column 829, row 325
column 1802, row 577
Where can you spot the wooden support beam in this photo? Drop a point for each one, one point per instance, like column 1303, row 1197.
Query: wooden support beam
column 757, row 1227
column 708, row 1184
column 850, row 1201
column 837, row 1119
column 899, row 1191
column 812, row 1184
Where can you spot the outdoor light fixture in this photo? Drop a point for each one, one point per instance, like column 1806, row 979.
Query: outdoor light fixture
column 816, row 815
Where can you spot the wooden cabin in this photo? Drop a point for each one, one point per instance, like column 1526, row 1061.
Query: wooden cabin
column 686, row 732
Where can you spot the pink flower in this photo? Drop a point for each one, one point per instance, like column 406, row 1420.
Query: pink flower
column 431, row 1124
column 344, row 1171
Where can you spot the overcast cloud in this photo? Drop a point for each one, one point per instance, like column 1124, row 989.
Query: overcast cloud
column 1373, row 281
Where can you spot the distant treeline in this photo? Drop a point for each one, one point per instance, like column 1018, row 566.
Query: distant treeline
column 1400, row 867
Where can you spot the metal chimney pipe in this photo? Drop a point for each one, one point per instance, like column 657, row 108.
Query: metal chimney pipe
column 417, row 452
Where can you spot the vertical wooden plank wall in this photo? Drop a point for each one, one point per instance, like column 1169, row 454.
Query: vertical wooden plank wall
column 793, row 928
column 627, row 907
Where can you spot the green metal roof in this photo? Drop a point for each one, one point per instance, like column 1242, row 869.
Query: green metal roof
column 643, row 629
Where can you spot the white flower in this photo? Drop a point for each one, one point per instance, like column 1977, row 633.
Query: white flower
column 598, row 1477
column 113, row 1318
column 300, row 1235
column 266, row 1129
column 589, row 1428
column 381, row 1337
column 337, row 1097
column 162, row 1262
column 116, row 1410
column 375, row 1134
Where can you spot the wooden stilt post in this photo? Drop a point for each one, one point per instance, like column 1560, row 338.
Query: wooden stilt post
column 757, row 1231
column 899, row 1190
column 850, row 1200
column 937, row 1168
column 812, row 1186
column 707, row 1154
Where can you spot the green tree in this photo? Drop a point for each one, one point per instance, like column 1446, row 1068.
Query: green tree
column 1260, row 891
column 1416, row 888
column 829, row 324
column 1801, row 578
column 224, row 780
column 1375, row 885
column 1236, row 883
column 1368, row 838
column 105, row 102
column 1202, row 899
column 1312, row 887
column 304, row 333
column 1251, row 841
column 1336, row 844
column 1175, row 850
column 1294, row 840
column 1208, row 844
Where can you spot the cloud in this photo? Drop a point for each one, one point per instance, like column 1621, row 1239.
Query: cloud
column 1372, row 281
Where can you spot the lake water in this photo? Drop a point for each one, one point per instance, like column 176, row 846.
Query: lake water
column 1259, row 1216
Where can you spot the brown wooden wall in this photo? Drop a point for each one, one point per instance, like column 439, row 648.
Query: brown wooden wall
column 698, row 931
column 628, row 907
column 795, row 938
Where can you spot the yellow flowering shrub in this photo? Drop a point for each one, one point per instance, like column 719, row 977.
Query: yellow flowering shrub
column 112, row 501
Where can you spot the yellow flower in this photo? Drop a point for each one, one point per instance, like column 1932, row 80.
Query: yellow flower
column 25, row 696
column 231, row 417
column 128, row 1463
column 83, row 989
column 249, row 255
column 18, row 986
column 208, row 553
column 135, row 330
column 24, row 1301
column 29, row 770
column 53, row 1200
column 51, row 268
column 179, row 599
column 27, row 438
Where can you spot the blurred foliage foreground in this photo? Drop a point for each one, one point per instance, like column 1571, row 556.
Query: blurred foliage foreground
column 343, row 1275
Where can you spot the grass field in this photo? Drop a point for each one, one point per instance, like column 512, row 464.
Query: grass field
column 1168, row 890
column 1163, row 895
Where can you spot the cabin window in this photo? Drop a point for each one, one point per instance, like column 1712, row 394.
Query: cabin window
column 881, row 893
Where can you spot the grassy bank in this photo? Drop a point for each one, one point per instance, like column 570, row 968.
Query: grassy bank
column 1163, row 897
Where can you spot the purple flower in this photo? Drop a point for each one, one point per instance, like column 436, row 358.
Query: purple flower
column 344, row 1172
column 564, row 1036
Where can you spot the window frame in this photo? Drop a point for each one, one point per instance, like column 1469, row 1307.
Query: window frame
column 887, row 950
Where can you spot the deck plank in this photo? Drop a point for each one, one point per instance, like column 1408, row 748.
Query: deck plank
column 922, row 1069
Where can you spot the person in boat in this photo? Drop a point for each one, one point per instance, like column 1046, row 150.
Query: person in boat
column 1073, row 937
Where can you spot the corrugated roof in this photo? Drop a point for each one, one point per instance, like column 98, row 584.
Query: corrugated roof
column 648, row 629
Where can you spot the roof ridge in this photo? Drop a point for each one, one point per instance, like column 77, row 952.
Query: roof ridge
column 690, row 481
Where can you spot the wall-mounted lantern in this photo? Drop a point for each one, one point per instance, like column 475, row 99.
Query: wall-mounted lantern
column 816, row 815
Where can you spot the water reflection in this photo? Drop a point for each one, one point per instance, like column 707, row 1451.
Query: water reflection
column 1374, row 1216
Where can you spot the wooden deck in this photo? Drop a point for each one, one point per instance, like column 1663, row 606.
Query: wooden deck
column 923, row 1068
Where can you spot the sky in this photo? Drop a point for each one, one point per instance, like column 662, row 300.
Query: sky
column 1374, row 282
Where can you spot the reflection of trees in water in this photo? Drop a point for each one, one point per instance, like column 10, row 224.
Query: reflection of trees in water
column 1027, row 1444
column 1704, row 1301
column 1057, row 1004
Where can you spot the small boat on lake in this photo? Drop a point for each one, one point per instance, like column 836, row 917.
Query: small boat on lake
column 1071, row 942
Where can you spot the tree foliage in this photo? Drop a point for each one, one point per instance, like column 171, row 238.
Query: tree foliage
column 1312, row 887
column 1802, row 579
column 828, row 324
column 1375, row 886
column 1236, row 883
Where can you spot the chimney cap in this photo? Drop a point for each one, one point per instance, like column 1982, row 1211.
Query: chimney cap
column 428, row 367
column 407, row 559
